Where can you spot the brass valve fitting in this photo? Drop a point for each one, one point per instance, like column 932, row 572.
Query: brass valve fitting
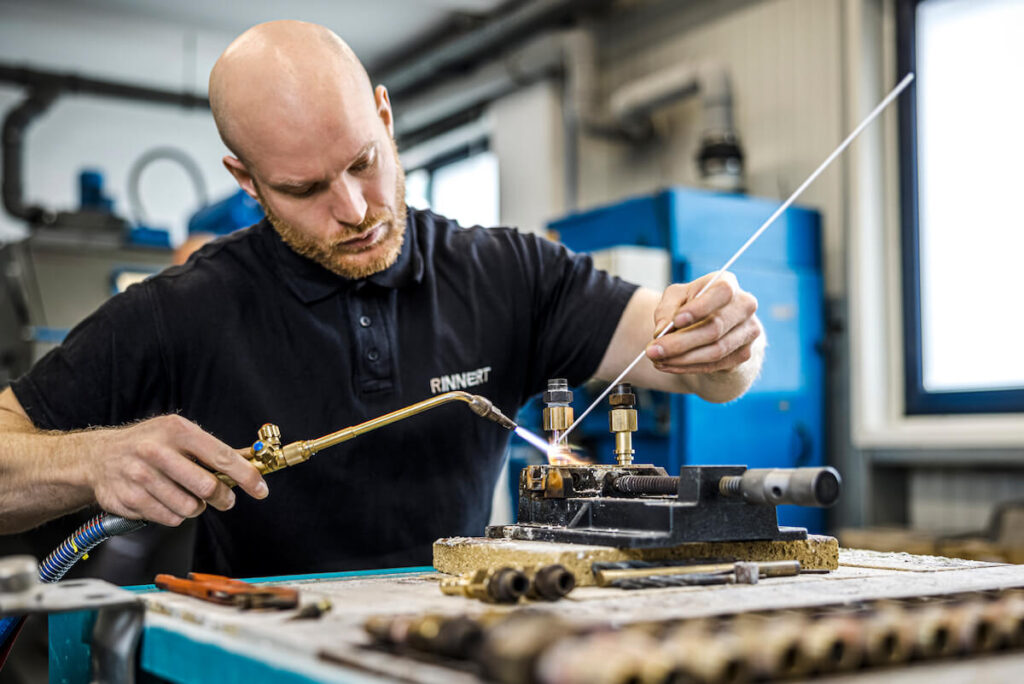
column 622, row 422
column 494, row 585
column 557, row 414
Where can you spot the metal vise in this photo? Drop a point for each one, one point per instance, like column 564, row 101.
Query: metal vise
column 642, row 507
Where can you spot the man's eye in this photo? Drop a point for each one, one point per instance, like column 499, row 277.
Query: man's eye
column 305, row 192
column 364, row 163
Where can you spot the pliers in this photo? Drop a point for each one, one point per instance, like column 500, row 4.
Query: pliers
column 231, row 592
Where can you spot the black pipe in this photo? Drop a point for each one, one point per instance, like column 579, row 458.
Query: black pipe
column 73, row 83
column 44, row 87
column 526, row 19
column 15, row 123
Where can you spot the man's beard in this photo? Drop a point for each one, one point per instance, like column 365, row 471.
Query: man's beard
column 333, row 255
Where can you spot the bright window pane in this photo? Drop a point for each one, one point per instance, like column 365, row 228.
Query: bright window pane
column 970, row 146
column 467, row 190
column 417, row 183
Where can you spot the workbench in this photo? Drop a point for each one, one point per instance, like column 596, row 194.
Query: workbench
column 186, row 640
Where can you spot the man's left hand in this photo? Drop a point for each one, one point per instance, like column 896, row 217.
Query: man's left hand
column 714, row 332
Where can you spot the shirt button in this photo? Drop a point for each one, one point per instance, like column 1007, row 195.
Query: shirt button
column 373, row 355
column 365, row 321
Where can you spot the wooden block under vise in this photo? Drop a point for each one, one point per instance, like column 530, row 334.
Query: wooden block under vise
column 457, row 555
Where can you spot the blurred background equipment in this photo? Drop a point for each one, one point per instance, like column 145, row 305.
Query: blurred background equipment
column 71, row 261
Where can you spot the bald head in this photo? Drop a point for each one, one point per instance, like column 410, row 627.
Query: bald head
column 282, row 77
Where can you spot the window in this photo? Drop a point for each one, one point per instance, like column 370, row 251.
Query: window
column 962, row 142
column 462, row 186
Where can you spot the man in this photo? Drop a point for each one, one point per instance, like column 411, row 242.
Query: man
column 342, row 306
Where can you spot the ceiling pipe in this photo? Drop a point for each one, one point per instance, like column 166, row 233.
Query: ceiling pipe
column 529, row 18
column 44, row 87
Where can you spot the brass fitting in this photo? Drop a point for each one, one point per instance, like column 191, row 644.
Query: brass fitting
column 494, row 585
column 549, row 582
column 267, row 454
column 558, row 413
column 622, row 422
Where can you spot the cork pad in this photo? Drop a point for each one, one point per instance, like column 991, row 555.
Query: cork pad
column 456, row 555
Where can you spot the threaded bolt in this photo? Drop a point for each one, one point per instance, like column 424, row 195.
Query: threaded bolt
column 730, row 485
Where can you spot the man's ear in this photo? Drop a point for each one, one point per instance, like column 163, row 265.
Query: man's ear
column 380, row 94
column 242, row 176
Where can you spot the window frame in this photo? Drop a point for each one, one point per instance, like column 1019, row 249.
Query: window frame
column 917, row 399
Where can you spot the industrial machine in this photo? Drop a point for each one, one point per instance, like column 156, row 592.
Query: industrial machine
column 678, row 235
column 628, row 505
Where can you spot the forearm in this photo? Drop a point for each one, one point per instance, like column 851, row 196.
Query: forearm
column 42, row 474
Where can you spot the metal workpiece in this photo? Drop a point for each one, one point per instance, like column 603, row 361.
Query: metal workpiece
column 701, row 653
column 540, row 647
column 268, row 456
column 888, row 636
column 934, row 629
column 450, row 636
column 622, row 422
column 512, row 646
column 641, row 506
column 833, row 644
column 500, row 585
column 742, row 572
column 772, row 645
column 60, row 597
column 604, row 657
column 557, row 413
column 18, row 574
column 651, row 485
column 549, row 582
column 781, row 486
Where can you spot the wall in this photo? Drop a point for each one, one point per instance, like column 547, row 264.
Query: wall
column 106, row 133
column 784, row 60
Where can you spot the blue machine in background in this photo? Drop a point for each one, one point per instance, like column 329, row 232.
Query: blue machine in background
column 780, row 421
column 235, row 211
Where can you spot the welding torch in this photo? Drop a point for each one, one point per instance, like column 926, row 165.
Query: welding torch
column 267, row 455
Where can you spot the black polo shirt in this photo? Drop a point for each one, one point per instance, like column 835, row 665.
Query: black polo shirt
column 248, row 332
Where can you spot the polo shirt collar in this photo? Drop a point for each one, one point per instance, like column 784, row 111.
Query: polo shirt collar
column 310, row 281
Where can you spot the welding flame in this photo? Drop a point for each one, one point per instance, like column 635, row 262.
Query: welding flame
column 558, row 454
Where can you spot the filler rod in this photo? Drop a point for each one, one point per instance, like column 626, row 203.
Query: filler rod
column 757, row 233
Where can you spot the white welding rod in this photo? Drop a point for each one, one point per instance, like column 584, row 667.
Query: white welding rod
column 757, row 233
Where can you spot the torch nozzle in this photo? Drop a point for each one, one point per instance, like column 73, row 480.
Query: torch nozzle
column 484, row 408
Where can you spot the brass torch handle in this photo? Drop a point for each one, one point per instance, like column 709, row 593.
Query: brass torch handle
column 348, row 433
column 298, row 452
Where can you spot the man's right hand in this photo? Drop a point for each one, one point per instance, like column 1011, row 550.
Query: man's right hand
column 152, row 471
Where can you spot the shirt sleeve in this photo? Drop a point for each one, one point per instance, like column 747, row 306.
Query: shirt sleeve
column 577, row 308
column 108, row 371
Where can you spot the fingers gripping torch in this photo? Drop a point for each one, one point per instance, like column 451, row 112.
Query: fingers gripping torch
column 267, row 455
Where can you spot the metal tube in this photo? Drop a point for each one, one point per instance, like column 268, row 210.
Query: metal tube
column 481, row 406
column 779, row 486
column 766, row 569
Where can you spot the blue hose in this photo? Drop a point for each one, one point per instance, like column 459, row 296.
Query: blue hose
column 87, row 537
column 94, row 532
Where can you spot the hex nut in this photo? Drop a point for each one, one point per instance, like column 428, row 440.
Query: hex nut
column 621, row 420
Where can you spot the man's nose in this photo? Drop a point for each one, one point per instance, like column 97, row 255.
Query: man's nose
column 348, row 205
